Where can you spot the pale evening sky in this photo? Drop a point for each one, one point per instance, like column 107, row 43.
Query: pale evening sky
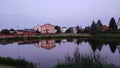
column 28, row 13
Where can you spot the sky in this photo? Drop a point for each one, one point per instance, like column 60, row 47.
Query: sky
column 22, row 14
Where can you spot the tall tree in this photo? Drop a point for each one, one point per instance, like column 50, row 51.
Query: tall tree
column 58, row 29
column 112, row 24
column 87, row 29
column 93, row 28
column 99, row 23
column 99, row 26
column 78, row 29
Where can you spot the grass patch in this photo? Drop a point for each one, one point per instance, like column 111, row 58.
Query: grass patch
column 80, row 61
column 18, row 63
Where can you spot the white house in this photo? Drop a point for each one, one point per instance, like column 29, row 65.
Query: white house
column 63, row 29
column 37, row 27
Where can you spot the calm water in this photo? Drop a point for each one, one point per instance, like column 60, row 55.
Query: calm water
column 45, row 53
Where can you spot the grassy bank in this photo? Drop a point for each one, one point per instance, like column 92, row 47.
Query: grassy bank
column 67, row 36
column 55, row 36
column 17, row 63
column 80, row 61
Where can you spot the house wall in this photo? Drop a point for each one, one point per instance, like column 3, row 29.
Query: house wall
column 47, row 28
column 37, row 27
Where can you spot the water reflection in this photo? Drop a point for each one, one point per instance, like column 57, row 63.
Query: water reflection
column 38, row 49
column 49, row 44
column 46, row 44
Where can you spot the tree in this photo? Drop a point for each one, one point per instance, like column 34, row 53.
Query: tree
column 87, row 30
column 93, row 28
column 78, row 29
column 5, row 31
column 69, row 30
column 99, row 23
column 112, row 24
column 11, row 29
column 99, row 26
column 37, row 31
column 58, row 29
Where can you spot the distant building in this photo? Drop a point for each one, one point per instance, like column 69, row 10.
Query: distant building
column 25, row 32
column 104, row 28
column 63, row 29
column 47, row 29
column 118, row 24
column 74, row 29
column 37, row 28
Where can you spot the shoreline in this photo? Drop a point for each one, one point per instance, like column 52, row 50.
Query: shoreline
column 62, row 36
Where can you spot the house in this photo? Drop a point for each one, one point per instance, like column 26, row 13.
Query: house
column 47, row 29
column 37, row 28
column 25, row 32
column 63, row 29
column 104, row 28
column 74, row 29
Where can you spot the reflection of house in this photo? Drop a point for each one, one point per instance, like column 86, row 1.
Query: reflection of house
column 63, row 40
column 26, row 42
column 46, row 44
column 26, row 32
column 47, row 28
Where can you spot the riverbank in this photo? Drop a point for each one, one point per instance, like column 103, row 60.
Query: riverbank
column 55, row 36
column 62, row 36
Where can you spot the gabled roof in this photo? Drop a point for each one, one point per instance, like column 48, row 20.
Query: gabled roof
column 47, row 24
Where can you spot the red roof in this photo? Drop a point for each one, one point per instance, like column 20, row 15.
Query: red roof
column 104, row 28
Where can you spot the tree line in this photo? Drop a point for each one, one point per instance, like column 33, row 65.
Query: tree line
column 96, row 28
column 93, row 29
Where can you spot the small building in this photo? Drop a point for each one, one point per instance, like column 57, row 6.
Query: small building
column 63, row 29
column 37, row 28
column 104, row 28
column 25, row 32
column 47, row 29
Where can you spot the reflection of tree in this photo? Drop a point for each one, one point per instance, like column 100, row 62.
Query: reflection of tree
column 69, row 40
column 113, row 46
column 78, row 41
column 95, row 44
column 58, row 41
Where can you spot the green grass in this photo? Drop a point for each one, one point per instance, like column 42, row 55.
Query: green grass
column 67, row 36
column 80, row 61
column 18, row 63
